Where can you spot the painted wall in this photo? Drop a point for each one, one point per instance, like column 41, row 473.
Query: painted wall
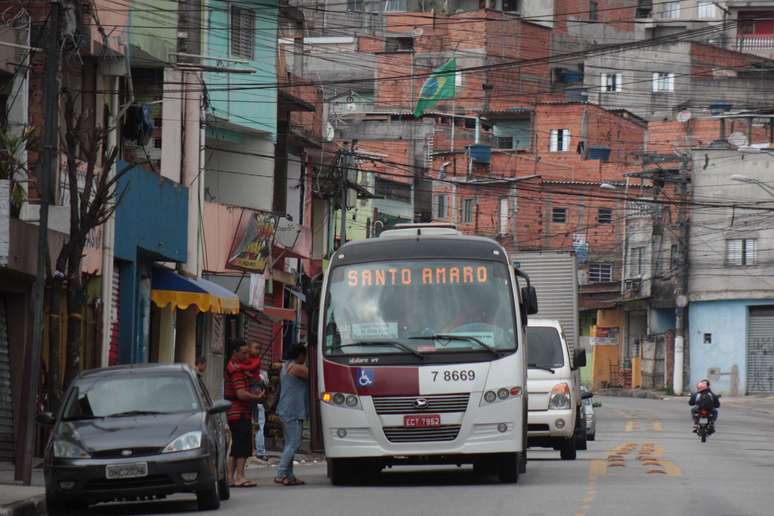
column 239, row 169
column 153, row 31
column 661, row 321
column 244, row 99
column 727, row 322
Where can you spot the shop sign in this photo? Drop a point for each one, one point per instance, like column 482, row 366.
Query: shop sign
column 253, row 253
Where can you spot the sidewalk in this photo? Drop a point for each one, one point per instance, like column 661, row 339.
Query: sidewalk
column 17, row 499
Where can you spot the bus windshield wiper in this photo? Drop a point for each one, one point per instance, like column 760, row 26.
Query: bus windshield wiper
column 394, row 344
column 462, row 338
column 535, row 366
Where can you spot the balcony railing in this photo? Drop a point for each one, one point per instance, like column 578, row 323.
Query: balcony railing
column 755, row 42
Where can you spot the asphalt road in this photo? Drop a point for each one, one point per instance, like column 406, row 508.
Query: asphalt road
column 645, row 462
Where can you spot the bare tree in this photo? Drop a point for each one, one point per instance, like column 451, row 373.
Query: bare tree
column 94, row 197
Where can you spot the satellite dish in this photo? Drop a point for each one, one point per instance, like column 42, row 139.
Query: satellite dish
column 684, row 116
column 351, row 107
column 330, row 132
column 737, row 139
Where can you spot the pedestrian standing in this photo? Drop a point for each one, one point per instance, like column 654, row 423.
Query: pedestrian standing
column 201, row 366
column 260, row 418
column 237, row 391
column 293, row 410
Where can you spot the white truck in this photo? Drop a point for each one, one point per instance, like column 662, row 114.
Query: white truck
column 555, row 416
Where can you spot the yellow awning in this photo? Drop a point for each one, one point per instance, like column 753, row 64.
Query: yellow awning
column 167, row 287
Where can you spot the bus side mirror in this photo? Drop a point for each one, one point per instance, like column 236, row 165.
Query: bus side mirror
column 579, row 358
column 529, row 298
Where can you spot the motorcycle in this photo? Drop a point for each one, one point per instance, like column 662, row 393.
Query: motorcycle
column 706, row 426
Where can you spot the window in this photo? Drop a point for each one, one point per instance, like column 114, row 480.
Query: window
column 663, row 81
column 600, row 273
column 671, row 10
column 706, row 9
column 441, row 210
column 505, row 142
column 398, row 44
column 355, row 6
column 560, row 140
column 504, row 213
column 741, row 251
column 636, row 264
column 392, row 190
column 593, row 10
column 638, row 209
column 467, row 211
column 559, row 215
column 511, row 6
column 604, row 216
column 242, row 32
column 458, row 79
column 611, row 82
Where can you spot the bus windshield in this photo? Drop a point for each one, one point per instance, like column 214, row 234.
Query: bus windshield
column 419, row 307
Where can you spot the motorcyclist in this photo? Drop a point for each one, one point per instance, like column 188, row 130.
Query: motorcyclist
column 704, row 398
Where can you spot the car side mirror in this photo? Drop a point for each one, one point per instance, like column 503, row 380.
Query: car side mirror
column 219, row 407
column 596, row 404
column 586, row 395
column 579, row 358
column 46, row 419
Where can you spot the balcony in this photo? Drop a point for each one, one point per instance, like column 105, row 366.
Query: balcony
column 754, row 42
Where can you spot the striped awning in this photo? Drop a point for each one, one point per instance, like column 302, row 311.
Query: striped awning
column 168, row 287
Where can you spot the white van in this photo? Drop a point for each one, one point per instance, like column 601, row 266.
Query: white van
column 553, row 385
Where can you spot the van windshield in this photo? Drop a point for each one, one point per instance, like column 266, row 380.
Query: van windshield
column 400, row 307
column 544, row 347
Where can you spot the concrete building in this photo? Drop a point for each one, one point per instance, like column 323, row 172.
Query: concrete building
column 658, row 82
column 731, row 330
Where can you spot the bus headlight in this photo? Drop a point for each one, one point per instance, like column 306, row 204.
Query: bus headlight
column 339, row 399
column 560, row 397
column 501, row 394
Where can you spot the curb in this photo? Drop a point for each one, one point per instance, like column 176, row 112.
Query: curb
column 33, row 506
column 630, row 393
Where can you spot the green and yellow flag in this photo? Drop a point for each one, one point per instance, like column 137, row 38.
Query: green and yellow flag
column 439, row 86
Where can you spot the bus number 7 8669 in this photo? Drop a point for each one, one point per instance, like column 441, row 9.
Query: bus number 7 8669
column 454, row 376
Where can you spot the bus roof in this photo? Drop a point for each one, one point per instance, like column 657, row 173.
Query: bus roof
column 412, row 246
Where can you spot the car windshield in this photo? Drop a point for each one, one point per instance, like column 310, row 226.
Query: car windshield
column 419, row 307
column 123, row 395
column 544, row 347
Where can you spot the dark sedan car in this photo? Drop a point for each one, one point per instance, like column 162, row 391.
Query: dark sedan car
column 136, row 433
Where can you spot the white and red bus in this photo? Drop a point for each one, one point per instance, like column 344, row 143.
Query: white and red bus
column 421, row 355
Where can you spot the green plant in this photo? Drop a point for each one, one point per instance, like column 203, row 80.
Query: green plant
column 11, row 165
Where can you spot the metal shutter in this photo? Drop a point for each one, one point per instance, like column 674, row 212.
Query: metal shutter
column 259, row 328
column 760, row 350
column 7, row 435
column 115, row 299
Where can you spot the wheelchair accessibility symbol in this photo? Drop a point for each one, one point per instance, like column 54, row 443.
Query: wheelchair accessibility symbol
column 364, row 377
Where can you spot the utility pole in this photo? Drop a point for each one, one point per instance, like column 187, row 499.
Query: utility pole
column 681, row 286
column 46, row 172
column 344, row 165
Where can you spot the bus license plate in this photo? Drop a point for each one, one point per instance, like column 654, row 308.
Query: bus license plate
column 423, row 421
column 119, row 471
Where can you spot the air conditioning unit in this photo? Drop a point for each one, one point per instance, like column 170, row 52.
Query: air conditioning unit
column 632, row 287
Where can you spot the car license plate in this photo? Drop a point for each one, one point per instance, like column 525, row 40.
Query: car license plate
column 133, row 470
column 423, row 421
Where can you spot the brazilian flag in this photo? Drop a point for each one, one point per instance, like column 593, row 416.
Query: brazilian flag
column 439, row 86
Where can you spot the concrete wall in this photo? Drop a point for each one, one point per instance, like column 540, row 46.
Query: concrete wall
column 710, row 278
column 727, row 322
column 239, row 169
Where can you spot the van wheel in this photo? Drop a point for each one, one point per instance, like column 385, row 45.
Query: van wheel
column 508, row 468
column 568, row 449
column 340, row 472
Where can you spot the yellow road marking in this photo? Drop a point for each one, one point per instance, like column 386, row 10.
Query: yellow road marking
column 597, row 468
column 657, row 426
column 672, row 469
column 629, row 426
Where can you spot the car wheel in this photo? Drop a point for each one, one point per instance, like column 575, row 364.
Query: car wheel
column 209, row 499
column 224, row 489
column 568, row 450
column 508, row 468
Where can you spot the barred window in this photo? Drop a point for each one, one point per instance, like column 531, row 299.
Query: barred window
column 242, row 32
column 600, row 273
column 741, row 251
column 605, row 216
